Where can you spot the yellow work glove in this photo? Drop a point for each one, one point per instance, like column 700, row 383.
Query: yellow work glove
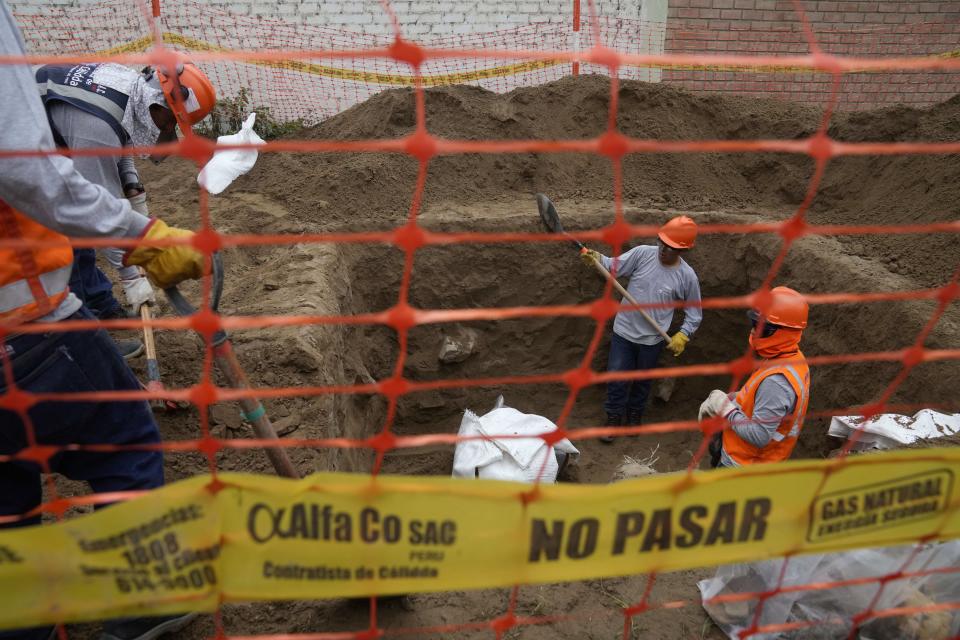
column 589, row 257
column 678, row 343
column 166, row 266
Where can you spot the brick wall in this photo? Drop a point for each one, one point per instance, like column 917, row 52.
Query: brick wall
column 849, row 27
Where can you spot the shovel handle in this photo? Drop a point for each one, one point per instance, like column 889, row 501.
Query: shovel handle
column 227, row 362
column 153, row 366
column 646, row 316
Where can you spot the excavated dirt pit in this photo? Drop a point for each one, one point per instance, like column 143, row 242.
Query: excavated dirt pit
column 546, row 274
column 317, row 193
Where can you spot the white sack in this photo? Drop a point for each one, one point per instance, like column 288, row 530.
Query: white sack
column 890, row 430
column 514, row 459
column 226, row 166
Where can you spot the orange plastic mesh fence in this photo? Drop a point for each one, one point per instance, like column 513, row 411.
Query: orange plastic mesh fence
column 311, row 73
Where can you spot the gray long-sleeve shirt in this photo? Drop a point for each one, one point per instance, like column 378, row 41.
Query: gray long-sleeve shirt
column 651, row 281
column 48, row 189
column 774, row 401
column 82, row 130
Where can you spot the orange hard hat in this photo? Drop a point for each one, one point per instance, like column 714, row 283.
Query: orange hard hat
column 679, row 233
column 786, row 308
column 189, row 92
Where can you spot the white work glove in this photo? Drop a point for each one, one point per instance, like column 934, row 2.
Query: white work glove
column 718, row 403
column 139, row 203
column 137, row 291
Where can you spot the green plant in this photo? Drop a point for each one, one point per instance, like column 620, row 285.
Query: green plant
column 229, row 113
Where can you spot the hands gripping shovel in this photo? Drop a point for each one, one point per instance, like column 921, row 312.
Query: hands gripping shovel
column 551, row 220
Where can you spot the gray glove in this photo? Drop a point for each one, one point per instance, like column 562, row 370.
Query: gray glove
column 139, row 203
column 718, row 403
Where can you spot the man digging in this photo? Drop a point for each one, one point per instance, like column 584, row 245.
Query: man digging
column 658, row 275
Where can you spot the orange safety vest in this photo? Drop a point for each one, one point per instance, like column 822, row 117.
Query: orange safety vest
column 797, row 373
column 33, row 280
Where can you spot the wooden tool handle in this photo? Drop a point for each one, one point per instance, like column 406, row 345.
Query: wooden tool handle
column 148, row 341
column 646, row 316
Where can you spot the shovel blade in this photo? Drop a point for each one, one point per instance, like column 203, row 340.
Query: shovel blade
column 548, row 214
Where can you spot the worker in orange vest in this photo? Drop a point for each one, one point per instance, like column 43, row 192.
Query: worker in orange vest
column 764, row 418
column 42, row 200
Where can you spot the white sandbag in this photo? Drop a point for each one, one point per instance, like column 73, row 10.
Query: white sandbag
column 515, row 459
column 841, row 603
column 226, row 166
column 890, row 430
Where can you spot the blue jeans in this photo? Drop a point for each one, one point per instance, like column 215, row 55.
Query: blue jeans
column 74, row 362
column 92, row 286
column 629, row 397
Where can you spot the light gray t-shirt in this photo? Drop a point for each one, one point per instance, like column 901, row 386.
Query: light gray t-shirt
column 774, row 401
column 82, row 130
column 651, row 281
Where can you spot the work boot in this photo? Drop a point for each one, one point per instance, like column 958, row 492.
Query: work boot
column 144, row 628
column 612, row 421
column 129, row 348
column 633, row 419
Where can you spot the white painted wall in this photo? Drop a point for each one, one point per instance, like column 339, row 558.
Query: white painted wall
column 419, row 18
column 78, row 27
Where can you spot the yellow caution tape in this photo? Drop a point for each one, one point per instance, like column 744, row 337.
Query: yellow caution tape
column 352, row 75
column 407, row 80
column 185, row 547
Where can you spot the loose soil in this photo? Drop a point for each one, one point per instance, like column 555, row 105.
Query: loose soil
column 299, row 193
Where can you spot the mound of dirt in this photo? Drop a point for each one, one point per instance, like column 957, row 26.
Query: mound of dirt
column 374, row 190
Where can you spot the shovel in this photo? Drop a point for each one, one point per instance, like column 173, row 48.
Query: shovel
column 551, row 220
column 226, row 361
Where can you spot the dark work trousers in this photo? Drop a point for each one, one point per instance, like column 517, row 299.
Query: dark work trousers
column 92, row 286
column 629, row 397
column 74, row 362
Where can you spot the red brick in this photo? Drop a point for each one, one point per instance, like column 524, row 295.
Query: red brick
column 750, row 14
column 685, row 12
column 930, row 7
column 743, row 4
column 702, row 4
column 723, row 4
column 874, row 18
column 710, row 13
column 828, row 6
column 867, row 7
column 893, row 18
column 852, row 17
column 730, row 14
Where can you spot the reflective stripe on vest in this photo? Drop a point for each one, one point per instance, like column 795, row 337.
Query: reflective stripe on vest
column 33, row 279
column 800, row 407
column 19, row 294
column 74, row 85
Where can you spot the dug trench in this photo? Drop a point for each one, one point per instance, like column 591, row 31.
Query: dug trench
column 333, row 193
